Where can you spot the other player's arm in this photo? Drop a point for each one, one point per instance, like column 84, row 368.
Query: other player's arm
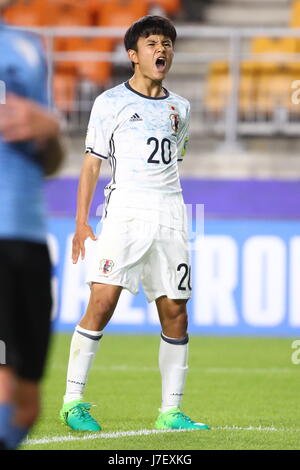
column 22, row 119
column 87, row 184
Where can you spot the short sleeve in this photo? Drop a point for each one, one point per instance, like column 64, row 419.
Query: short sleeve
column 183, row 136
column 99, row 130
column 42, row 80
column 33, row 52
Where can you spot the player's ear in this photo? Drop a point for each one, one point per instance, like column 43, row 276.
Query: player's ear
column 132, row 55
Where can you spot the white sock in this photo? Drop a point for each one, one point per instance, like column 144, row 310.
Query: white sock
column 173, row 357
column 84, row 346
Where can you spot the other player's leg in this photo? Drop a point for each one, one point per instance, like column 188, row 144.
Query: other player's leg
column 84, row 345
column 25, row 308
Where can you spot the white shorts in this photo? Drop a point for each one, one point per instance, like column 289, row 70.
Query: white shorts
column 129, row 251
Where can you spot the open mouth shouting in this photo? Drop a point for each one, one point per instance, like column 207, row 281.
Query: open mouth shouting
column 161, row 64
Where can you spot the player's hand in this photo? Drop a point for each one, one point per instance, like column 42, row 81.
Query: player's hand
column 83, row 231
column 23, row 119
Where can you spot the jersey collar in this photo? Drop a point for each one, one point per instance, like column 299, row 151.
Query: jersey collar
column 145, row 96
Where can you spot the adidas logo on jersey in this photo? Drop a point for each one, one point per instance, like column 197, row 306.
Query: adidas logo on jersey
column 136, row 117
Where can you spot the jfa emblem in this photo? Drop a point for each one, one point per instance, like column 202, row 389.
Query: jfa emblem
column 106, row 266
column 174, row 122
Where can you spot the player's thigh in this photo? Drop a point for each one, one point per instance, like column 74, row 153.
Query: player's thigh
column 167, row 271
column 117, row 256
column 104, row 297
column 8, row 304
column 33, row 315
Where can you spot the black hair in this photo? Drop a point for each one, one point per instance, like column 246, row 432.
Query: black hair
column 147, row 25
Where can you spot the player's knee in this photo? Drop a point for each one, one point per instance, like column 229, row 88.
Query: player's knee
column 177, row 311
column 101, row 305
column 177, row 317
column 181, row 320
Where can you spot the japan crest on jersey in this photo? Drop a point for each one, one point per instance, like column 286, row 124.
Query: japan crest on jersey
column 174, row 118
column 175, row 122
column 106, row 266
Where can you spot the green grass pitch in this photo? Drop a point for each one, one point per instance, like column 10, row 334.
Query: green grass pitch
column 246, row 389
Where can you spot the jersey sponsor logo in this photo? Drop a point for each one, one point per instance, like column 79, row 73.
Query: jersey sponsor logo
column 175, row 122
column 135, row 118
column 106, row 266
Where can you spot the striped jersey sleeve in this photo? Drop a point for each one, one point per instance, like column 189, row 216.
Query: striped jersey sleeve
column 183, row 137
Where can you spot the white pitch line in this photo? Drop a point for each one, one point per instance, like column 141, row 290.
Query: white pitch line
column 208, row 370
column 147, row 432
column 111, row 435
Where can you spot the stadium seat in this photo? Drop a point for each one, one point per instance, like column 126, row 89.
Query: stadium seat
column 64, row 90
column 218, row 67
column 95, row 4
column 294, row 74
column 274, row 90
column 295, row 15
column 121, row 12
column 98, row 72
column 168, row 6
column 264, row 103
column 217, row 89
column 26, row 13
column 274, row 76
column 68, row 13
column 280, row 46
column 247, row 93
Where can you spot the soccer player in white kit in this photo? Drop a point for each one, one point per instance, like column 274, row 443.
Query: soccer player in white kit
column 142, row 129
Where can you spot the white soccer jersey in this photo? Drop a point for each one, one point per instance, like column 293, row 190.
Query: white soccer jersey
column 143, row 138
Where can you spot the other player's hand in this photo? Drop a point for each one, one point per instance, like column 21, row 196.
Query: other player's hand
column 83, row 231
column 23, row 119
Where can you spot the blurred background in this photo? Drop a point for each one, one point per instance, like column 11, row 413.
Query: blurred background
column 237, row 62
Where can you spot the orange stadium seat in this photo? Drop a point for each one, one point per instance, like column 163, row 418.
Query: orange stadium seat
column 98, row 72
column 67, row 13
column 94, row 7
column 26, row 13
column 64, row 90
column 95, row 4
column 169, row 6
column 121, row 12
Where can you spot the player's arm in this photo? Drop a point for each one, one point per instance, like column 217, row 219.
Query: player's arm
column 22, row 119
column 87, row 184
column 97, row 149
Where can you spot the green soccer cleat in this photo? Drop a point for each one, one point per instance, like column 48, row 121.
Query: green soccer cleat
column 76, row 415
column 175, row 419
